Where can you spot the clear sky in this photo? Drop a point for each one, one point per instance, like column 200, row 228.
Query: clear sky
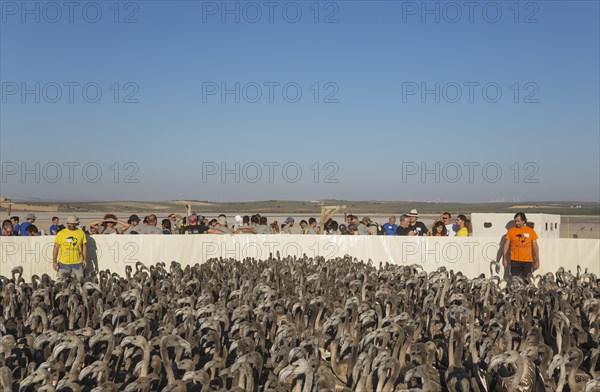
column 389, row 100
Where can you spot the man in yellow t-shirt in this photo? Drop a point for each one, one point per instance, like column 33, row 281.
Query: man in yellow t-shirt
column 524, row 250
column 70, row 249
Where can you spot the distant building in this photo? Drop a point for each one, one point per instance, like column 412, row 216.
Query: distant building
column 496, row 224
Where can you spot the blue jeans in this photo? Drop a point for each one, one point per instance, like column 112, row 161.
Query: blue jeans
column 77, row 269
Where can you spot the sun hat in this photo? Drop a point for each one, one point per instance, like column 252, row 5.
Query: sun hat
column 73, row 219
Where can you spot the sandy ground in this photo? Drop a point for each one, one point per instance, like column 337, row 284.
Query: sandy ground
column 18, row 207
column 572, row 226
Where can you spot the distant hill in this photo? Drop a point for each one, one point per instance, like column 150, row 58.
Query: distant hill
column 290, row 206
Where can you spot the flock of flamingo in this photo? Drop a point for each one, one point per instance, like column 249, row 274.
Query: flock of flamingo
column 299, row 324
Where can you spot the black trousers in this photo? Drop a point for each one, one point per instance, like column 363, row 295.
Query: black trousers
column 521, row 268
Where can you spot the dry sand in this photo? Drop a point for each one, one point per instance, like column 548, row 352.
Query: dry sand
column 17, row 207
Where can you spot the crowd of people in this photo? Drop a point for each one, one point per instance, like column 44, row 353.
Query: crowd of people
column 13, row 227
column 70, row 241
column 408, row 225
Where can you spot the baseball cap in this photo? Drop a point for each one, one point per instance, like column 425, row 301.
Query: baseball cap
column 366, row 219
column 193, row 219
column 30, row 216
column 238, row 219
column 413, row 212
column 73, row 219
column 288, row 220
column 222, row 220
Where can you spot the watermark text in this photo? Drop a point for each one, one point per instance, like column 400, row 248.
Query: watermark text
column 69, row 11
column 469, row 172
column 269, row 172
column 68, row 172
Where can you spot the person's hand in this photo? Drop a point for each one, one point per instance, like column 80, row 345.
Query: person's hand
column 504, row 262
column 84, row 264
column 536, row 265
column 411, row 233
column 55, row 265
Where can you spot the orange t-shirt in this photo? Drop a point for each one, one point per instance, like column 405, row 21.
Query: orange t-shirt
column 521, row 243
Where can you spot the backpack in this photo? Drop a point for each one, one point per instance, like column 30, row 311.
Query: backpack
column 380, row 229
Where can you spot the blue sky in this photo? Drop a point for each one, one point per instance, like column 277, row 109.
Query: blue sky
column 398, row 100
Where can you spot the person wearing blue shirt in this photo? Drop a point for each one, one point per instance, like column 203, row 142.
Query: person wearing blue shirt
column 391, row 227
column 54, row 228
column 30, row 220
column 16, row 226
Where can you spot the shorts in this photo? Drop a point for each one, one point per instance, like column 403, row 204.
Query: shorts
column 521, row 269
column 77, row 269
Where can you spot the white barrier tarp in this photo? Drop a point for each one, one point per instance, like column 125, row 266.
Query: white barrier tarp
column 470, row 255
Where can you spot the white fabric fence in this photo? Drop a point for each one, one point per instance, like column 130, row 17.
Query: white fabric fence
column 470, row 255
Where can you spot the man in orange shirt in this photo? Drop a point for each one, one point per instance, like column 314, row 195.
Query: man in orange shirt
column 524, row 250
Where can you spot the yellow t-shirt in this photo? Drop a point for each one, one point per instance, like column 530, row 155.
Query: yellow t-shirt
column 71, row 246
column 464, row 232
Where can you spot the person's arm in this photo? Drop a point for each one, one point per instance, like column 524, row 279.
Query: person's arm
column 215, row 231
column 55, row 256
column 96, row 222
column 536, row 255
column 505, row 253
column 245, row 230
column 124, row 225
